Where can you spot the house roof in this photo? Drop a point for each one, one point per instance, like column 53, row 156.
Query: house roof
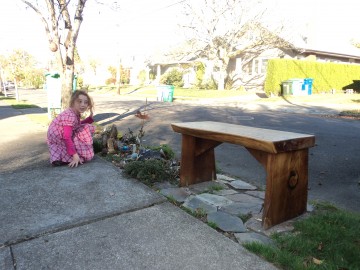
column 185, row 52
column 332, row 47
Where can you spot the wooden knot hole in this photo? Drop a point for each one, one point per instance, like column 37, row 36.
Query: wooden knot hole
column 293, row 179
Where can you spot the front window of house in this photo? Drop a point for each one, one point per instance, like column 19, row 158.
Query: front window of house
column 256, row 66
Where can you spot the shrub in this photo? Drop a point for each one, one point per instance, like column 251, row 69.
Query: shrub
column 200, row 71
column 142, row 76
column 326, row 76
column 80, row 82
column 148, row 171
column 173, row 77
column 110, row 81
column 169, row 153
column 209, row 85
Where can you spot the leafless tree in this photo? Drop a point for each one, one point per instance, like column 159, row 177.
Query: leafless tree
column 62, row 20
column 227, row 29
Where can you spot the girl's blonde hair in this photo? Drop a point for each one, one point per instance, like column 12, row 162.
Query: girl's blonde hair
column 75, row 95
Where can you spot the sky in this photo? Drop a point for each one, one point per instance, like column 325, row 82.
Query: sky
column 140, row 26
column 143, row 26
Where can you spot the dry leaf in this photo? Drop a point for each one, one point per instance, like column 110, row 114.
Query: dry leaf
column 317, row 261
column 320, row 246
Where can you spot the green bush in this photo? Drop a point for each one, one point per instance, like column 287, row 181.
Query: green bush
column 148, row 171
column 326, row 76
column 169, row 153
column 80, row 82
column 200, row 72
column 209, row 84
column 173, row 77
column 142, row 76
column 110, row 81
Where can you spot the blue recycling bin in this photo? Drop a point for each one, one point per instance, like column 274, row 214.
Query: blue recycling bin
column 307, row 85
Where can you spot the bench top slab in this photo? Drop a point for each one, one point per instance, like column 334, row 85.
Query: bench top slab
column 267, row 140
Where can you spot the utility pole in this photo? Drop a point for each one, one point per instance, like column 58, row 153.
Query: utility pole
column 118, row 75
column 2, row 81
column 15, row 82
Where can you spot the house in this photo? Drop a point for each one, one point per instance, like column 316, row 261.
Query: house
column 183, row 57
column 253, row 72
column 247, row 68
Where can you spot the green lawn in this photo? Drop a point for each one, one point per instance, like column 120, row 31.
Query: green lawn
column 328, row 239
column 151, row 91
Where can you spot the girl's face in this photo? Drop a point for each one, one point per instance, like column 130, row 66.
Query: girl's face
column 81, row 104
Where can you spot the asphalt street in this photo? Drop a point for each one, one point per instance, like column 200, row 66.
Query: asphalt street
column 334, row 174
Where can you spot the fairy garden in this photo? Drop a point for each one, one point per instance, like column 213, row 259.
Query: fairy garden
column 149, row 164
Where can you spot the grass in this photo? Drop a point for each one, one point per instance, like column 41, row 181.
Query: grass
column 351, row 113
column 213, row 188
column 328, row 239
column 151, row 91
column 212, row 225
column 41, row 119
column 18, row 104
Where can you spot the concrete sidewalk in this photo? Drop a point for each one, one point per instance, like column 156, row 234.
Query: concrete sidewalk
column 93, row 217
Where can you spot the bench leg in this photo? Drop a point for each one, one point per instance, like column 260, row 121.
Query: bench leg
column 197, row 160
column 286, row 186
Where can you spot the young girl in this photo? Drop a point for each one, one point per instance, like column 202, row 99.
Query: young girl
column 70, row 139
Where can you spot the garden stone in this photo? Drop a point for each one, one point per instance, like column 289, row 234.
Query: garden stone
column 224, row 192
column 194, row 203
column 244, row 198
column 256, row 193
column 250, row 237
column 254, row 224
column 222, row 182
column 178, row 194
column 163, row 185
column 224, row 178
column 226, row 222
column 218, row 201
column 205, row 186
column 239, row 208
column 239, row 184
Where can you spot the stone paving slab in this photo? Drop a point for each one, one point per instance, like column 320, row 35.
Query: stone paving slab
column 240, row 197
column 250, row 237
column 226, row 222
column 46, row 198
column 157, row 237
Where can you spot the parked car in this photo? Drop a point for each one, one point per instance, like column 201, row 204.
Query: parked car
column 8, row 85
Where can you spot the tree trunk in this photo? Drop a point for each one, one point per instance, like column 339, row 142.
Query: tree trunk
column 65, row 51
column 221, row 81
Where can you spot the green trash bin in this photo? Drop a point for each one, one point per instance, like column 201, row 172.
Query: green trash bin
column 53, row 89
column 165, row 93
column 74, row 83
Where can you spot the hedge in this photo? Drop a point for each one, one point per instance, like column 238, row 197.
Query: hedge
column 326, row 76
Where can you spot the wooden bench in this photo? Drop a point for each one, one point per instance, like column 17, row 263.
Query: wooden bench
column 284, row 156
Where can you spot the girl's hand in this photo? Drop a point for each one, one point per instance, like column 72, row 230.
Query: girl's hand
column 75, row 161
